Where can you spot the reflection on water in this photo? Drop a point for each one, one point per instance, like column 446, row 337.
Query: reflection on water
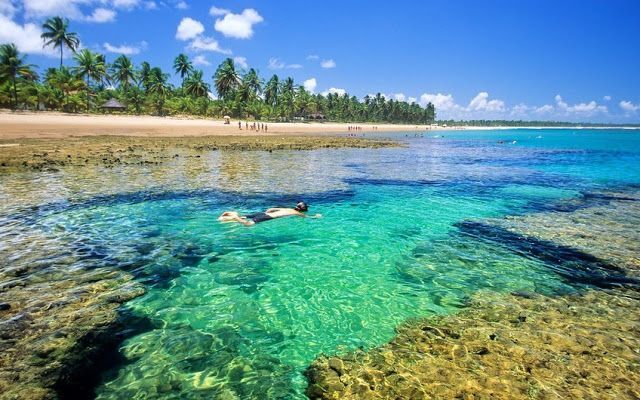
column 240, row 312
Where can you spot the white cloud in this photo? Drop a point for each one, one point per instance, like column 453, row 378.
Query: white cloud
column 241, row 61
column 200, row 60
column 46, row 8
column 310, row 85
column 399, row 96
column 587, row 109
column 7, row 8
column 629, row 106
column 73, row 9
column 124, row 49
column 482, row 103
column 338, row 91
column 128, row 4
column 26, row 37
column 276, row 63
column 101, row 15
column 189, row 28
column 545, row 109
column 411, row 100
column 313, row 57
column 606, row 98
column 216, row 12
column 239, row 26
column 182, row 5
column 442, row 102
column 520, row 110
column 480, row 107
column 328, row 63
column 203, row 43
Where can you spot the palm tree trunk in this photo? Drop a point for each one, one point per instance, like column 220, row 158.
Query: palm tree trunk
column 15, row 94
column 87, row 93
column 60, row 56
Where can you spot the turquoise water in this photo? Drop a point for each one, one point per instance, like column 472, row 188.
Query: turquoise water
column 239, row 312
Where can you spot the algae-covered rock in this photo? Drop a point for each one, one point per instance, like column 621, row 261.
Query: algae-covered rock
column 579, row 346
column 58, row 324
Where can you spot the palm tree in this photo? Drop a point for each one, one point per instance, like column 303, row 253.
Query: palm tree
column 135, row 97
column 195, row 86
column 65, row 81
column 158, row 86
column 91, row 66
column 272, row 90
column 13, row 67
column 226, row 79
column 144, row 75
column 55, row 32
column 123, row 72
column 287, row 94
column 253, row 83
column 182, row 66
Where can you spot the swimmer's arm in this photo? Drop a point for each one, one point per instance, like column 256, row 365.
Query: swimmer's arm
column 303, row 215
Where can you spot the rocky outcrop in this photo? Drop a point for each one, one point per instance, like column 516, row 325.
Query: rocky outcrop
column 58, row 323
column 500, row 347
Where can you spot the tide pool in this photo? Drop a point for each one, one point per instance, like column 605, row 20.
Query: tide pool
column 240, row 312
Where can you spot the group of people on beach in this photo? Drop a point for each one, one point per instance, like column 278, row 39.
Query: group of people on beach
column 257, row 127
column 359, row 128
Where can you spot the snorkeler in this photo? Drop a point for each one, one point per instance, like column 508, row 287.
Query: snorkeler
column 271, row 213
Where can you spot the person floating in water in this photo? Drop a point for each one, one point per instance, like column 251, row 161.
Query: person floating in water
column 272, row 213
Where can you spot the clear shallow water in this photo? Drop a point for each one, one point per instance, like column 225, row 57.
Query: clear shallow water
column 242, row 311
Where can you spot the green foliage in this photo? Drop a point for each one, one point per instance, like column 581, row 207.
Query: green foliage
column 13, row 68
column 226, row 79
column 182, row 66
column 91, row 66
column 123, row 72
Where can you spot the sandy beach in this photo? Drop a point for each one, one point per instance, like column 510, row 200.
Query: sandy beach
column 59, row 125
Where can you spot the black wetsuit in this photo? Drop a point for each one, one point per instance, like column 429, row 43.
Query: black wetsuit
column 259, row 217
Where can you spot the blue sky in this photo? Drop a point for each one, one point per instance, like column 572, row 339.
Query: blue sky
column 552, row 60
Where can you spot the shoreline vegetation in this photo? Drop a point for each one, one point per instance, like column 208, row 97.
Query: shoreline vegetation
column 92, row 83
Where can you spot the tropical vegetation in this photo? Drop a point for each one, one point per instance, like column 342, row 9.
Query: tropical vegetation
column 91, row 81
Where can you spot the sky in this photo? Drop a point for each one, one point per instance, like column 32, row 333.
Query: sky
column 568, row 60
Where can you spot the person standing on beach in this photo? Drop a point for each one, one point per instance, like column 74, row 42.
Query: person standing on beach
column 239, row 125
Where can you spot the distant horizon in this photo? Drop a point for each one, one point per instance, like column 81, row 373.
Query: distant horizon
column 490, row 61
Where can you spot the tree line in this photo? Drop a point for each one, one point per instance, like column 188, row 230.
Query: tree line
column 523, row 123
column 91, row 81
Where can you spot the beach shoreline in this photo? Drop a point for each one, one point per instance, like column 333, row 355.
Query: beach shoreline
column 53, row 125
column 56, row 125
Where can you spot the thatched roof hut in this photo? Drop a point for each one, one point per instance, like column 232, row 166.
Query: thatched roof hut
column 316, row 116
column 113, row 105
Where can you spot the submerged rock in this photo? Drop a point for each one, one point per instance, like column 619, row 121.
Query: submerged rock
column 58, row 324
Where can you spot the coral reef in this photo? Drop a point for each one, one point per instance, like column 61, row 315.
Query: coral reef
column 51, row 154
